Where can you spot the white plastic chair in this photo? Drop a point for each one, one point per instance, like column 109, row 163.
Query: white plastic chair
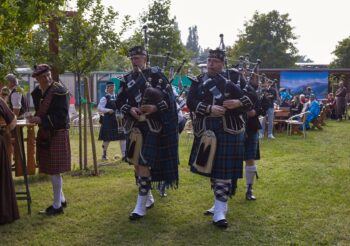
column 299, row 120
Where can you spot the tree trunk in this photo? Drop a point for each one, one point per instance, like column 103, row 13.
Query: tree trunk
column 93, row 146
column 79, row 126
column 85, row 126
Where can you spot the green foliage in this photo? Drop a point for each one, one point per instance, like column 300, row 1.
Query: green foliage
column 268, row 37
column 163, row 31
column 192, row 41
column 118, row 60
column 17, row 18
column 115, row 61
column 36, row 50
column 304, row 59
column 342, row 53
column 89, row 35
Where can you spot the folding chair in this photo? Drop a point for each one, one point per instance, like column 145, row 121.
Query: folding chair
column 294, row 122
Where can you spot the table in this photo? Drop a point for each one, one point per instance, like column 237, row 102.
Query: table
column 30, row 162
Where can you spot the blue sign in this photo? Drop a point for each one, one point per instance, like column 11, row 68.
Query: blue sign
column 297, row 82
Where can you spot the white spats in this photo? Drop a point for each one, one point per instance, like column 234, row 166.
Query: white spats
column 211, row 210
column 220, row 210
column 140, row 207
column 150, row 199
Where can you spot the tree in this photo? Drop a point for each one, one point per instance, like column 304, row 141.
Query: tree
column 86, row 38
column 203, row 55
column 304, row 59
column 192, row 41
column 163, row 31
column 342, row 53
column 268, row 37
column 114, row 61
column 17, row 18
column 36, row 49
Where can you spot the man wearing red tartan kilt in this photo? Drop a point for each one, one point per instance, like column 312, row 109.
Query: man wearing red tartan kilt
column 51, row 102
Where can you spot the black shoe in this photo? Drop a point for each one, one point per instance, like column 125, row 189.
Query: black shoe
column 249, row 194
column 135, row 216
column 221, row 223
column 52, row 211
column 207, row 213
column 64, row 204
column 161, row 189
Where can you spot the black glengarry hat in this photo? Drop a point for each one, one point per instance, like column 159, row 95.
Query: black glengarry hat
column 110, row 83
column 137, row 50
column 40, row 69
column 217, row 53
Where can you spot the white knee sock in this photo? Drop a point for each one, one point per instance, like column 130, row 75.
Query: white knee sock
column 122, row 144
column 250, row 172
column 63, row 199
column 105, row 145
column 57, row 190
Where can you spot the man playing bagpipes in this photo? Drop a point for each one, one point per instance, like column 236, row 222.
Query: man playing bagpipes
column 217, row 106
column 148, row 104
column 251, row 148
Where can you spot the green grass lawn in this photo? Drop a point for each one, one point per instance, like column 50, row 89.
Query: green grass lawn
column 302, row 194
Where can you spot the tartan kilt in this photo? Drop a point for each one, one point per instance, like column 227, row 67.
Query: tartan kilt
column 57, row 158
column 251, row 146
column 228, row 160
column 109, row 130
column 160, row 150
column 150, row 145
column 166, row 167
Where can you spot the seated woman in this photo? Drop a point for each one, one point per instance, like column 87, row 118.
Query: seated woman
column 296, row 106
column 8, row 202
column 314, row 111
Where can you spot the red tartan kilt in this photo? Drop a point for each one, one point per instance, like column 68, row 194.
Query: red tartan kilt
column 57, row 158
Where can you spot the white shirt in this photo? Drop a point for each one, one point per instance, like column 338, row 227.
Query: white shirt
column 102, row 104
column 16, row 99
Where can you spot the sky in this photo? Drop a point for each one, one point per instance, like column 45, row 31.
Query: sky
column 319, row 25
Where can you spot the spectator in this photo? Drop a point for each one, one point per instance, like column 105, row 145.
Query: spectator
column 16, row 100
column 296, row 106
column 340, row 95
column 314, row 111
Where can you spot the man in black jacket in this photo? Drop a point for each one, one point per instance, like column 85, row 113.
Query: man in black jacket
column 51, row 102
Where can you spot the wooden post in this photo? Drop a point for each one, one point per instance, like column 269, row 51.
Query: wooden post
column 93, row 146
column 53, row 45
column 85, row 105
column 80, row 135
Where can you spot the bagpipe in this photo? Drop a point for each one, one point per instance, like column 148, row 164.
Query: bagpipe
column 154, row 94
column 246, row 75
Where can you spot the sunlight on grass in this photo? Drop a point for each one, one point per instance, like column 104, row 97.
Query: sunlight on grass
column 302, row 199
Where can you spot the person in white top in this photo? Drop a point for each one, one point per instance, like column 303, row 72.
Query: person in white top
column 15, row 97
column 112, row 122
